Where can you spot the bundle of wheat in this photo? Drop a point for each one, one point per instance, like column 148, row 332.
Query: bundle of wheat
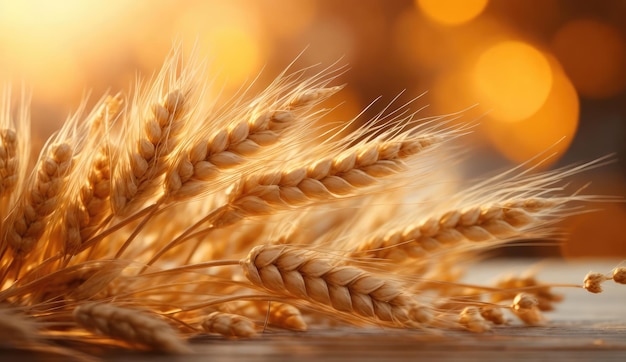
column 165, row 215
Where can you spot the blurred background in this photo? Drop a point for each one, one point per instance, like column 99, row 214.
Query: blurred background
column 537, row 71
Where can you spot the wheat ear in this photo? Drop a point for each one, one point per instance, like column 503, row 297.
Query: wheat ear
column 27, row 222
column 325, row 180
column 89, row 189
column 146, row 158
column 301, row 274
column 233, row 145
column 129, row 325
column 475, row 224
column 619, row 275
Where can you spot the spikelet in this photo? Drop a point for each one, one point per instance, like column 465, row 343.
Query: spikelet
column 619, row 275
column 525, row 307
column 593, row 282
column 492, row 314
column 229, row 325
column 286, row 316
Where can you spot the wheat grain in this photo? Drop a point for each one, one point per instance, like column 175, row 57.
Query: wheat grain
column 300, row 274
column 229, row 325
column 129, row 325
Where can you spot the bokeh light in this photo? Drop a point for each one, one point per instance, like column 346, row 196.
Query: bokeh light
column 452, row 12
column 550, row 129
column 512, row 80
column 593, row 234
column 43, row 42
column 594, row 56
column 295, row 16
column 232, row 41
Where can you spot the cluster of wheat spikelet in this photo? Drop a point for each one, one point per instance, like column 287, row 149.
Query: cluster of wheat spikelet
column 164, row 215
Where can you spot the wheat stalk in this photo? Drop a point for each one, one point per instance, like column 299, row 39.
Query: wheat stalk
column 233, row 146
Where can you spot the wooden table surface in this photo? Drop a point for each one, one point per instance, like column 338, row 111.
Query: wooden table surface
column 585, row 327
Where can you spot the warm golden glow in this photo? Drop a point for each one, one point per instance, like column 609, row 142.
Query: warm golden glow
column 556, row 120
column 598, row 233
column 594, row 56
column 452, row 12
column 232, row 41
column 43, row 42
column 512, row 80
column 295, row 16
